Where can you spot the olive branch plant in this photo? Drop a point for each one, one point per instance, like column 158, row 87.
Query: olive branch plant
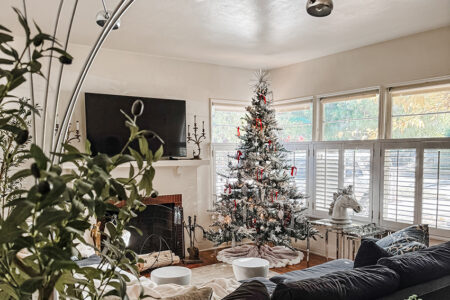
column 49, row 213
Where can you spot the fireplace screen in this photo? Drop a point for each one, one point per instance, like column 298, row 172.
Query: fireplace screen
column 162, row 229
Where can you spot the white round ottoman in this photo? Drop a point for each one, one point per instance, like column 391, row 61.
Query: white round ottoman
column 172, row 274
column 245, row 268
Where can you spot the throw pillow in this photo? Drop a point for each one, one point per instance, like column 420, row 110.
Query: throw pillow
column 368, row 254
column 371, row 282
column 417, row 233
column 420, row 266
column 204, row 293
column 252, row 290
column 400, row 248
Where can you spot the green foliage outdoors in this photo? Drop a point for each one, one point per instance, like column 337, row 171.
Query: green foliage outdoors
column 421, row 115
column 47, row 219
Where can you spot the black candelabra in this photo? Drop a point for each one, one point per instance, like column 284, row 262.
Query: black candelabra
column 196, row 138
column 72, row 134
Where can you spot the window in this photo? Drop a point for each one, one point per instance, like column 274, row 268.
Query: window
column 339, row 165
column 352, row 117
column 399, row 181
column 225, row 119
column 358, row 172
column 299, row 159
column 436, row 188
column 296, row 121
column 221, row 161
column 420, row 112
column 326, row 177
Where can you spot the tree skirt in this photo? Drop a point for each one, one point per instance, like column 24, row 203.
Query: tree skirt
column 278, row 256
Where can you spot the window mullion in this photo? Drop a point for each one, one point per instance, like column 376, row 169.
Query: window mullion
column 419, row 184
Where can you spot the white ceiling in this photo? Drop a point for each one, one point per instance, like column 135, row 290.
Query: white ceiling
column 244, row 33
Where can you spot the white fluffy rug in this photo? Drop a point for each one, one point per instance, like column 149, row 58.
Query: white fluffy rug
column 277, row 256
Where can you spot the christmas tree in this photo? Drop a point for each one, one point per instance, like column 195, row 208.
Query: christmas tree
column 260, row 201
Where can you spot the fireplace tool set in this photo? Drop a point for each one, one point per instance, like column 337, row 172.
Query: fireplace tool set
column 194, row 255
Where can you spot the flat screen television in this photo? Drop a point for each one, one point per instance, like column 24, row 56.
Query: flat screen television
column 107, row 133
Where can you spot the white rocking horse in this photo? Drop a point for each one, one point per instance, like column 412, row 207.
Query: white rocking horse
column 342, row 200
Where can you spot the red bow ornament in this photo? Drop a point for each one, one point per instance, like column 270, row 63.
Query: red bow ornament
column 227, row 190
column 258, row 176
column 262, row 97
column 292, row 171
column 239, row 154
column 260, row 123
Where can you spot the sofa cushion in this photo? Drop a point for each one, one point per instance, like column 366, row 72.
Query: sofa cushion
column 369, row 253
column 252, row 290
column 270, row 286
column 314, row 272
column 420, row 266
column 366, row 283
column 417, row 233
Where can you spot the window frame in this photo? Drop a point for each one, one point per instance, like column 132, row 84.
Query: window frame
column 322, row 99
column 388, row 102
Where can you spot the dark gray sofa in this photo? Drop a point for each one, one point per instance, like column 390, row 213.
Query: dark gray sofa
column 434, row 289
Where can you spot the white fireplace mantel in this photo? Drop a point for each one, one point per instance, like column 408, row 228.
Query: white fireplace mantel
column 165, row 163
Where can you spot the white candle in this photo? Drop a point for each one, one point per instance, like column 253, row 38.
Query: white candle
column 78, row 125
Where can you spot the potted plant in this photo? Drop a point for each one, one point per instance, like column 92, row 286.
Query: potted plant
column 42, row 221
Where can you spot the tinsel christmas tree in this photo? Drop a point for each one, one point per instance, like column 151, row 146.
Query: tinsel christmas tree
column 260, row 201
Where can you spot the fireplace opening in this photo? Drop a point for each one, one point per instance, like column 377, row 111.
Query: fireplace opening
column 160, row 225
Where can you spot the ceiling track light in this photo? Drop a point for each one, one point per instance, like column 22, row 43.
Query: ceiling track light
column 319, row 8
column 104, row 15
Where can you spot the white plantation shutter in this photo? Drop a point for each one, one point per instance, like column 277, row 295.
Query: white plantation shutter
column 221, row 160
column 357, row 172
column 436, row 188
column 326, row 176
column 399, row 180
column 299, row 159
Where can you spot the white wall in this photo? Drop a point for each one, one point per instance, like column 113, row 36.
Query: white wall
column 414, row 57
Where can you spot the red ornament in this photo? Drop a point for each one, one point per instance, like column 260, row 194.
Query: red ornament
column 235, row 204
column 294, row 168
column 239, row 154
column 260, row 123
column 239, row 133
column 262, row 97
column 258, row 176
column 227, row 188
column 276, row 195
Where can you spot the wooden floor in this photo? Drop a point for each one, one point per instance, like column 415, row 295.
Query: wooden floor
column 209, row 258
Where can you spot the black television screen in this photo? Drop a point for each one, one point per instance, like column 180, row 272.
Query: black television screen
column 108, row 134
